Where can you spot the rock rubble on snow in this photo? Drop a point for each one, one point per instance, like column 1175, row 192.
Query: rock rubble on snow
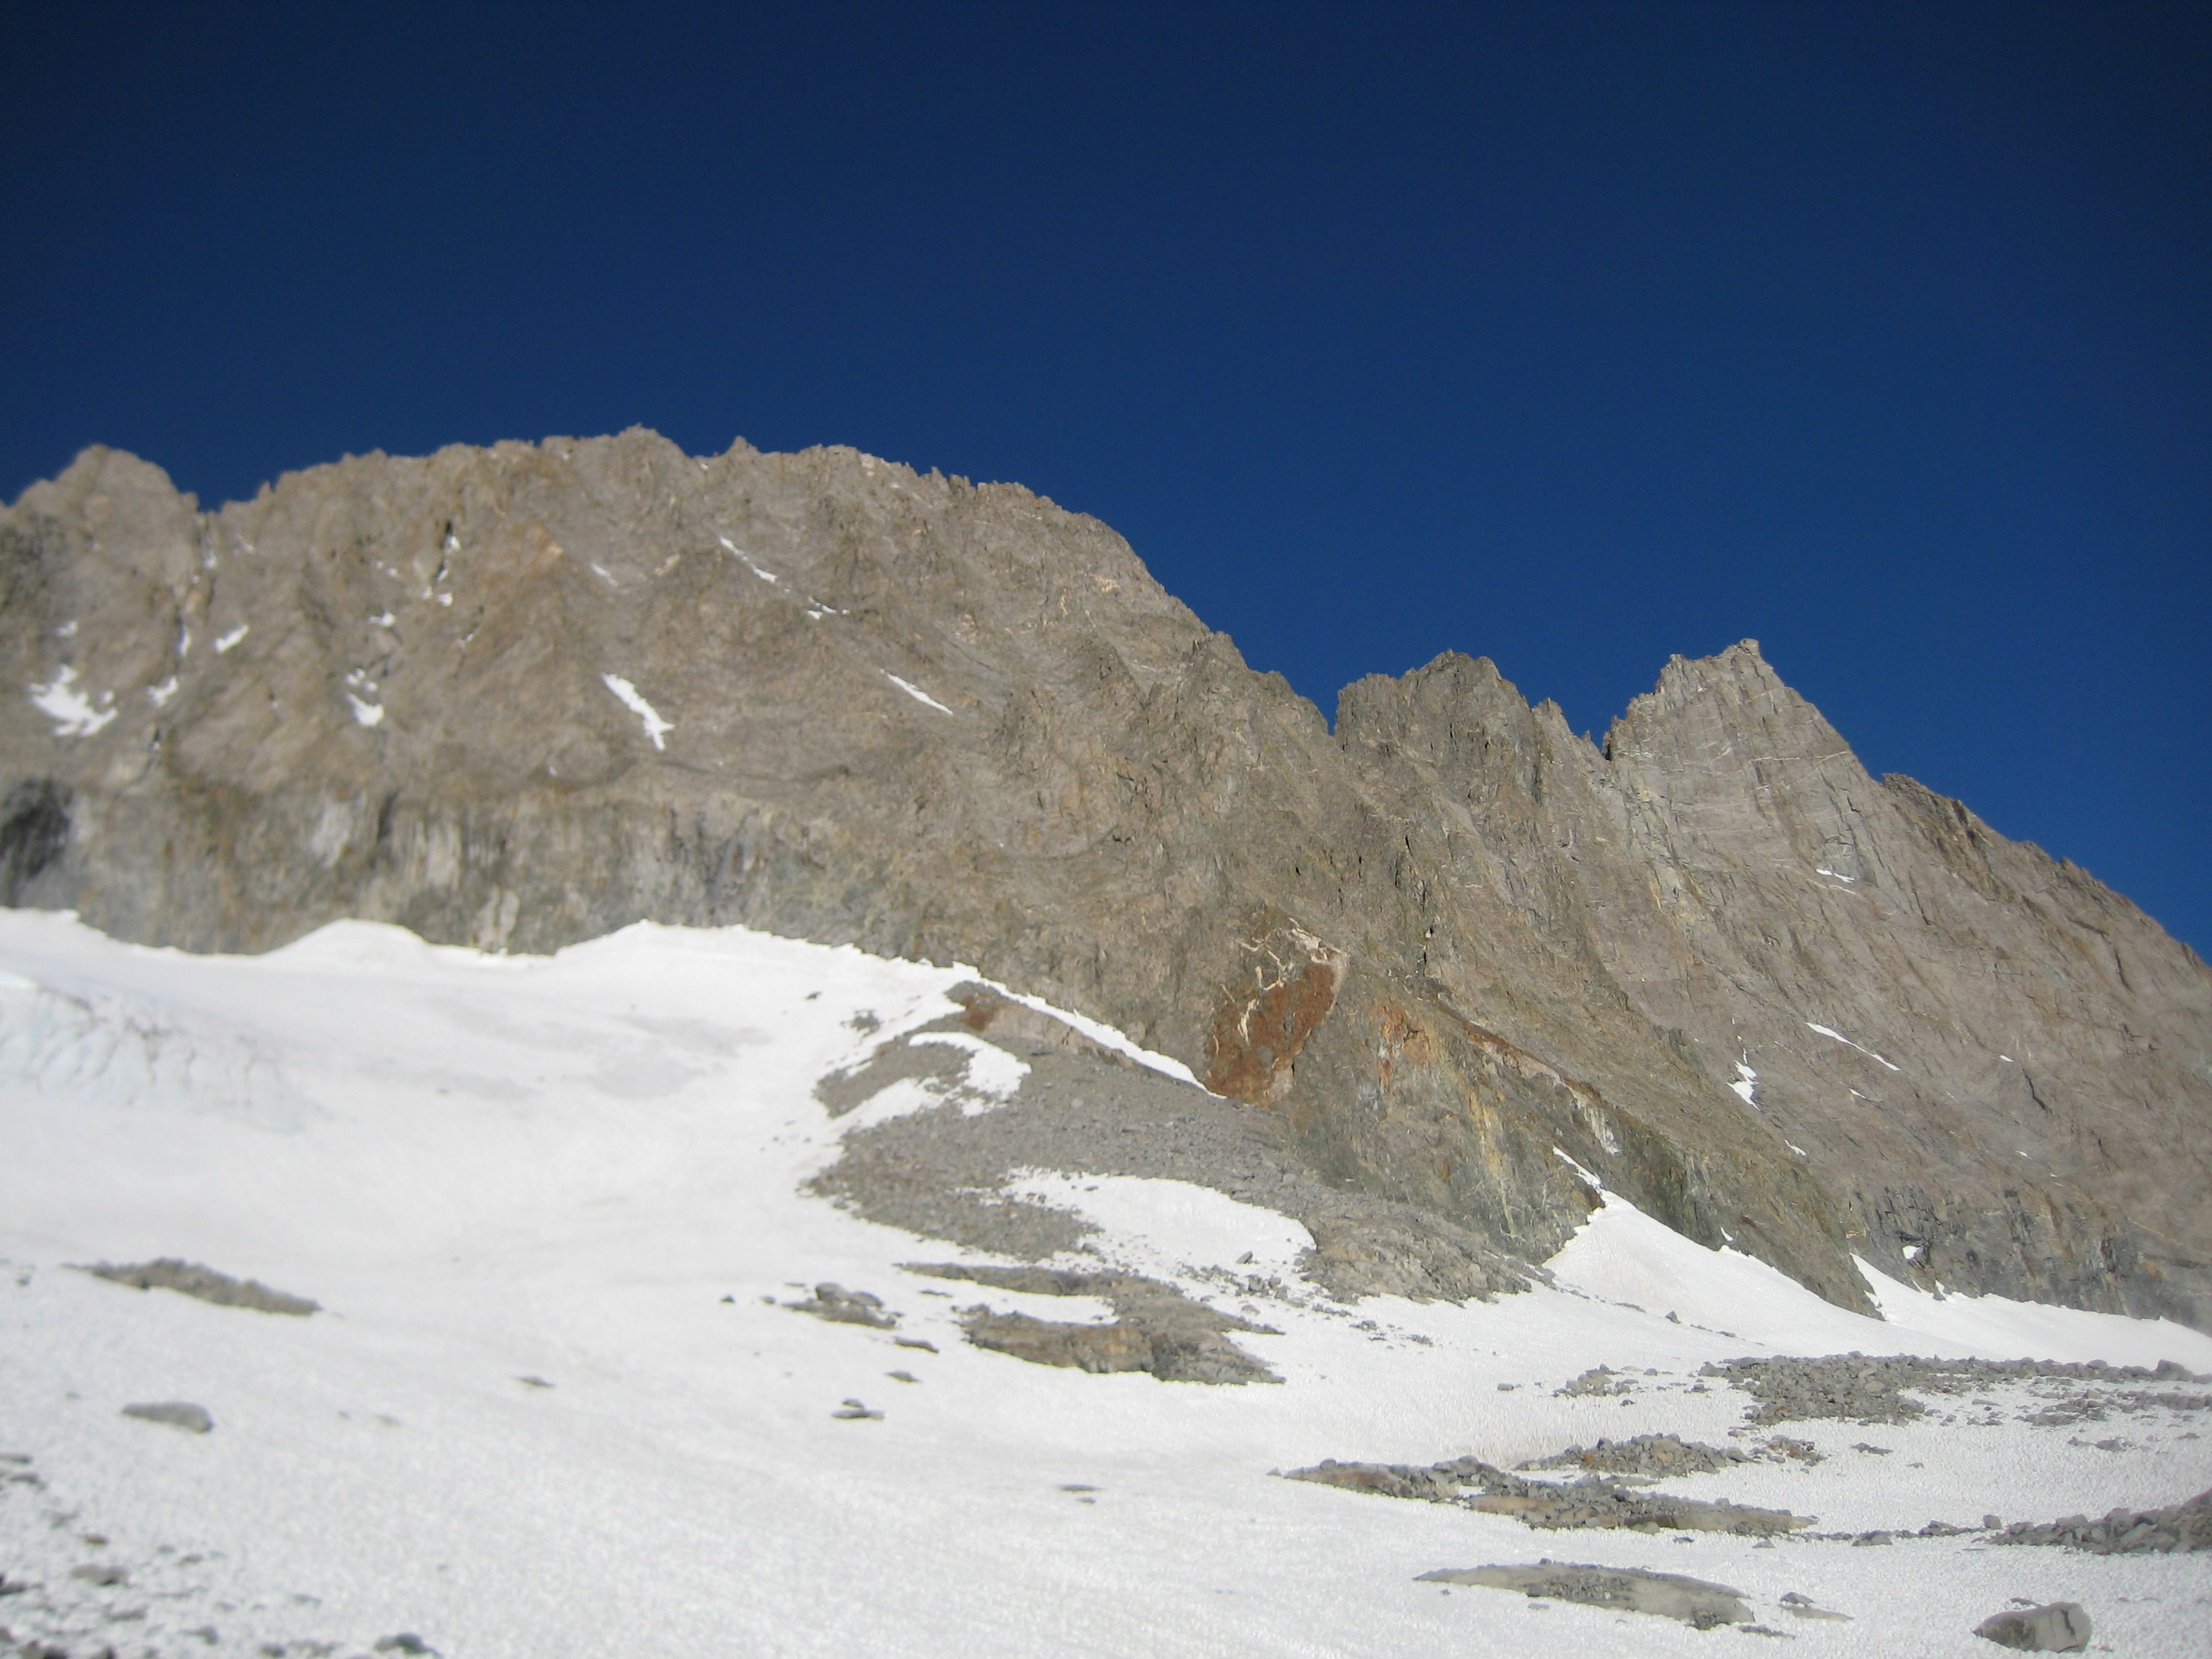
column 2178, row 1528
column 1661, row 1455
column 1670, row 1595
column 1591, row 1502
column 205, row 1284
column 1156, row 1327
column 1854, row 1387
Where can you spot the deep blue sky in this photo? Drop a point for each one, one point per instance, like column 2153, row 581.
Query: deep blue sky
column 1571, row 335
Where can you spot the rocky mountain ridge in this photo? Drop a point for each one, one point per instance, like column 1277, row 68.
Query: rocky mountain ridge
column 518, row 696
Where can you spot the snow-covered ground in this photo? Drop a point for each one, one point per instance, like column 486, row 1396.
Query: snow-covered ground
column 548, row 1206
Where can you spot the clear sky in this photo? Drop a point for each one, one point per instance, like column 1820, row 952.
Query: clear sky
column 1571, row 335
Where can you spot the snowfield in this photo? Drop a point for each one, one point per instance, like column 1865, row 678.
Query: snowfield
column 556, row 1402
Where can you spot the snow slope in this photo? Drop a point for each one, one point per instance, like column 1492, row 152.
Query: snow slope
column 551, row 1407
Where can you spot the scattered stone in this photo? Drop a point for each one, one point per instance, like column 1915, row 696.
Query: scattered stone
column 103, row 1573
column 1669, row 1594
column 1591, row 1502
column 190, row 1279
column 405, row 1642
column 915, row 1342
column 1872, row 1451
column 180, row 1413
column 2179, row 1528
column 533, row 1382
column 854, row 1412
column 843, row 1307
column 2060, row 1627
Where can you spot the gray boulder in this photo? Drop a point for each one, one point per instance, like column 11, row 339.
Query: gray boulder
column 2059, row 1627
column 178, row 1413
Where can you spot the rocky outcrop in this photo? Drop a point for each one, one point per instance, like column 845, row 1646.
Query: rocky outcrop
column 1595, row 1501
column 519, row 696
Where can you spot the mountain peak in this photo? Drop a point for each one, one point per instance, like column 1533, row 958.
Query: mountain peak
column 520, row 697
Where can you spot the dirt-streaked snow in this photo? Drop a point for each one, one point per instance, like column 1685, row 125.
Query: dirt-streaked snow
column 584, row 1169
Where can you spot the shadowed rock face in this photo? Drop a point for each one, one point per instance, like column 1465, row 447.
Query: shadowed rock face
column 519, row 696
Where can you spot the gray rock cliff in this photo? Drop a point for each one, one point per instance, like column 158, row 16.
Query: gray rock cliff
column 519, row 696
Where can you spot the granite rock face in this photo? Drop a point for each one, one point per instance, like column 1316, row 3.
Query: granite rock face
column 516, row 698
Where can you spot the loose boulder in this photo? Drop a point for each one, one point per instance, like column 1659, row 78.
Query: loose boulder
column 2058, row 1627
column 178, row 1413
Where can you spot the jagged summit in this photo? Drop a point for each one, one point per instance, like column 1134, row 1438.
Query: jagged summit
column 520, row 695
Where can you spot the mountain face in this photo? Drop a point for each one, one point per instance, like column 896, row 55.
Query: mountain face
column 520, row 697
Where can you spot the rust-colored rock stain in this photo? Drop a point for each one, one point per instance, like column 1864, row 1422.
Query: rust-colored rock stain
column 1260, row 1026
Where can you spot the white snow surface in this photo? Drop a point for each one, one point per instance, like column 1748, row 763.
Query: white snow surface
column 584, row 1169
column 768, row 577
column 74, row 713
column 655, row 727
column 1838, row 1036
column 992, row 1071
column 915, row 692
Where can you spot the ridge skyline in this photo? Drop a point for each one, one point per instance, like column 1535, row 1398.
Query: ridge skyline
column 1586, row 716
